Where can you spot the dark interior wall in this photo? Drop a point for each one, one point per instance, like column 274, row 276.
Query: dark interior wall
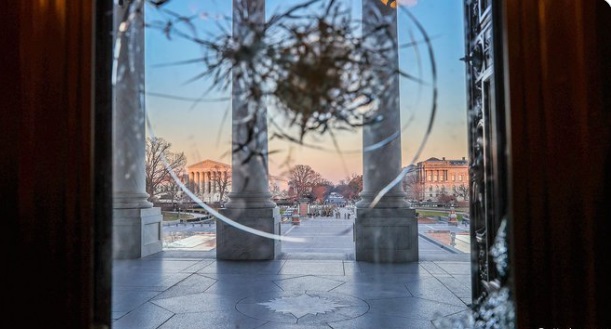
column 47, row 115
column 559, row 136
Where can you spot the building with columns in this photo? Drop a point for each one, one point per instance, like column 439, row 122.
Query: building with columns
column 210, row 180
column 207, row 178
column 433, row 179
column 385, row 228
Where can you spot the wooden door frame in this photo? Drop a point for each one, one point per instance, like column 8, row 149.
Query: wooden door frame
column 557, row 81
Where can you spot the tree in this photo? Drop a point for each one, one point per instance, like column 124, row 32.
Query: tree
column 444, row 197
column 302, row 178
column 321, row 190
column 350, row 187
column 355, row 186
column 158, row 153
column 221, row 181
column 174, row 192
column 462, row 191
column 413, row 188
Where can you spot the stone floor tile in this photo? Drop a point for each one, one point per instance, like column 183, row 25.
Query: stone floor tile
column 412, row 307
column 381, row 269
column 145, row 317
column 148, row 279
column 153, row 265
column 236, row 267
column 276, row 325
column 433, row 268
column 193, row 284
column 197, row 303
column 313, row 268
column 458, row 285
column 373, row 321
column 308, row 282
column 434, row 290
column 199, row 265
column 455, row 267
column 128, row 300
column 212, row 320
column 242, row 288
column 184, row 254
column 373, row 290
column 385, row 278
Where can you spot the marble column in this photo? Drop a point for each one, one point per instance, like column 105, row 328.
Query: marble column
column 192, row 181
column 250, row 201
column 200, row 181
column 388, row 230
column 136, row 223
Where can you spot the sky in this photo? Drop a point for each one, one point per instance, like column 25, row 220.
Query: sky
column 203, row 130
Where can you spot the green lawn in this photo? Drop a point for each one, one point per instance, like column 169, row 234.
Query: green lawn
column 435, row 213
column 431, row 213
column 170, row 216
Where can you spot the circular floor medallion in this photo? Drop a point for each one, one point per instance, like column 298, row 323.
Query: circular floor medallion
column 303, row 307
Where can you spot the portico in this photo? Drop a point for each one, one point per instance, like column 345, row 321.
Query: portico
column 209, row 179
column 385, row 227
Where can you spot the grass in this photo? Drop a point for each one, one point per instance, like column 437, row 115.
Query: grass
column 170, row 216
column 435, row 213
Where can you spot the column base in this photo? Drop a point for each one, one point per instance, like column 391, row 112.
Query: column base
column 386, row 235
column 126, row 200
column 235, row 244
column 136, row 232
column 389, row 200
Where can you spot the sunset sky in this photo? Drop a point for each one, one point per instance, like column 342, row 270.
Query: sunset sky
column 203, row 131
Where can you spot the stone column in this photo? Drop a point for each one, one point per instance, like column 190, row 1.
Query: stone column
column 136, row 224
column 388, row 231
column 250, row 201
column 206, row 181
column 204, row 184
column 192, row 180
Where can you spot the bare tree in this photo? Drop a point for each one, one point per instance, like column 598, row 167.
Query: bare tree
column 413, row 188
column 172, row 190
column 444, row 197
column 302, row 178
column 462, row 191
column 222, row 181
column 356, row 186
column 160, row 160
column 321, row 189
